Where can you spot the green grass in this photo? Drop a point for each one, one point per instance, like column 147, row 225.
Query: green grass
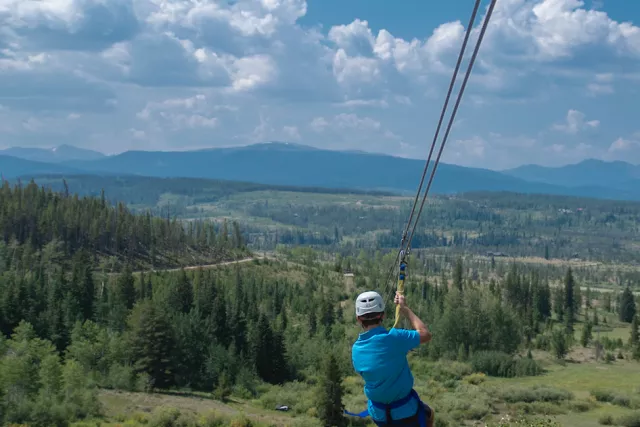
column 581, row 378
column 458, row 397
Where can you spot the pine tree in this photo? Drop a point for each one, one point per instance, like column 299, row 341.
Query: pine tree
column 634, row 339
column 569, row 300
column 559, row 343
column 127, row 287
column 330, row 393
column 313, row 322
column 458, row 278
column 627, row 306
column 151, row 343
column 586, row 334
column 182, row 293
column 262, row 350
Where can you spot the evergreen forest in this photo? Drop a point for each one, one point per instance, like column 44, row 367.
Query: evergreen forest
column 105, row 306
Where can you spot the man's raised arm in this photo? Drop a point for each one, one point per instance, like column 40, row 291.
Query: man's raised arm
column 416, row 323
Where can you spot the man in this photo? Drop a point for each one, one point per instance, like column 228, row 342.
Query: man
column 380, row 357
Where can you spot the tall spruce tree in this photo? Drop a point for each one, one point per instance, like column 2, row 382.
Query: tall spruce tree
column 627, row 306
column 569, row 300
column 152, row 342
column 330, row 393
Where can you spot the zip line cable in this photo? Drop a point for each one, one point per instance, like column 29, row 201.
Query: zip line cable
column 455, row 110
column 435, row 138
column 404, row 250
column 446, row 104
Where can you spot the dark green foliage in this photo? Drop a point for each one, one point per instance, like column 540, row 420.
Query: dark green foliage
column 570, row 302
column 499, row 364
column 152, row 340
column 559, row 343
column 627, row 306
column 535, row 394
column 270, row 353
column 330, row 393
column 634, row 336
column 36, row 387
column 226, row 330
column 33, row 217
column 586, row 336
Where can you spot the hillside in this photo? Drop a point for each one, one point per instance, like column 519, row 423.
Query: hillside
column 62, row 153
column 514, row 224
column 35, row 220
column 79, row 344
column 151, row 192
column 226, row 347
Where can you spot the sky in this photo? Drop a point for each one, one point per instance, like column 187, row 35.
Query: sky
column 555, row 82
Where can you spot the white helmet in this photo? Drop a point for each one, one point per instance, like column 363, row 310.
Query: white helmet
column 369, row 302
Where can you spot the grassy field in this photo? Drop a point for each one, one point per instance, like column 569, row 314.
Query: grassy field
column 566, row 392
column 450, row 399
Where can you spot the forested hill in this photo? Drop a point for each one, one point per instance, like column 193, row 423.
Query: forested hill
column 38, row 223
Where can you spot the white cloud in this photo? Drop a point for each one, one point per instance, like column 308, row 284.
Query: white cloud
column 621, row 145
column 575, row 122
column 184, row 72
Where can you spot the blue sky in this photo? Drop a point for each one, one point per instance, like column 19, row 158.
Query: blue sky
column 556, row 81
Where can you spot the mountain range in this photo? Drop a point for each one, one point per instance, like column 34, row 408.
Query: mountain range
column 58, row 154
column 279, row 163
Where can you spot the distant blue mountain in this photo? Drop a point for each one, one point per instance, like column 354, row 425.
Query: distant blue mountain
column 298, row 165
column 62, row 153
column 589, row 172
column 291, row 164
column 12, row 167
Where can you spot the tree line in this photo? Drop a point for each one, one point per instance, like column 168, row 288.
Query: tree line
column 67, row 325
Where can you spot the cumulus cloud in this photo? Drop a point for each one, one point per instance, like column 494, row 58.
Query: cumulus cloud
column 147, row 71
column 69, row 24
column 575, row 122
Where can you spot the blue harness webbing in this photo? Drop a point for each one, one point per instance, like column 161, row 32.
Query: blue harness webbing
column 422, row 419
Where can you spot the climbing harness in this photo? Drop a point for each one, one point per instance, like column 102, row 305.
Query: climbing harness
column 421, row 417
column 424, row 412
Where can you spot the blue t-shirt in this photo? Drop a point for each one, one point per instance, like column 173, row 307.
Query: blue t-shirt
column 380, row 357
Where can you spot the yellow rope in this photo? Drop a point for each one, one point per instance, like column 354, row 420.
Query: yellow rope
column 401, row 278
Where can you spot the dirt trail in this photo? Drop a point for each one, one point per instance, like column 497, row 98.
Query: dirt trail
column 203, row 266
column 218, row 264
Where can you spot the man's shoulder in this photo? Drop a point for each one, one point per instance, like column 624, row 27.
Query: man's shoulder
column 407, row 334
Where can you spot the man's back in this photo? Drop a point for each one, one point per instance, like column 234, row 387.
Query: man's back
column 380, row 357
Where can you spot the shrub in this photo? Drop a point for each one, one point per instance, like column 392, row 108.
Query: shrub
column 212, row 419
column 629, row 420
column 443, row 371
column 475, row 378
column 617, row 399
column 535, row 394
column 603, row 395
column 538, row 408
column 171, row 417
column 498, row 364
column 580, row 406
column 606, row 420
